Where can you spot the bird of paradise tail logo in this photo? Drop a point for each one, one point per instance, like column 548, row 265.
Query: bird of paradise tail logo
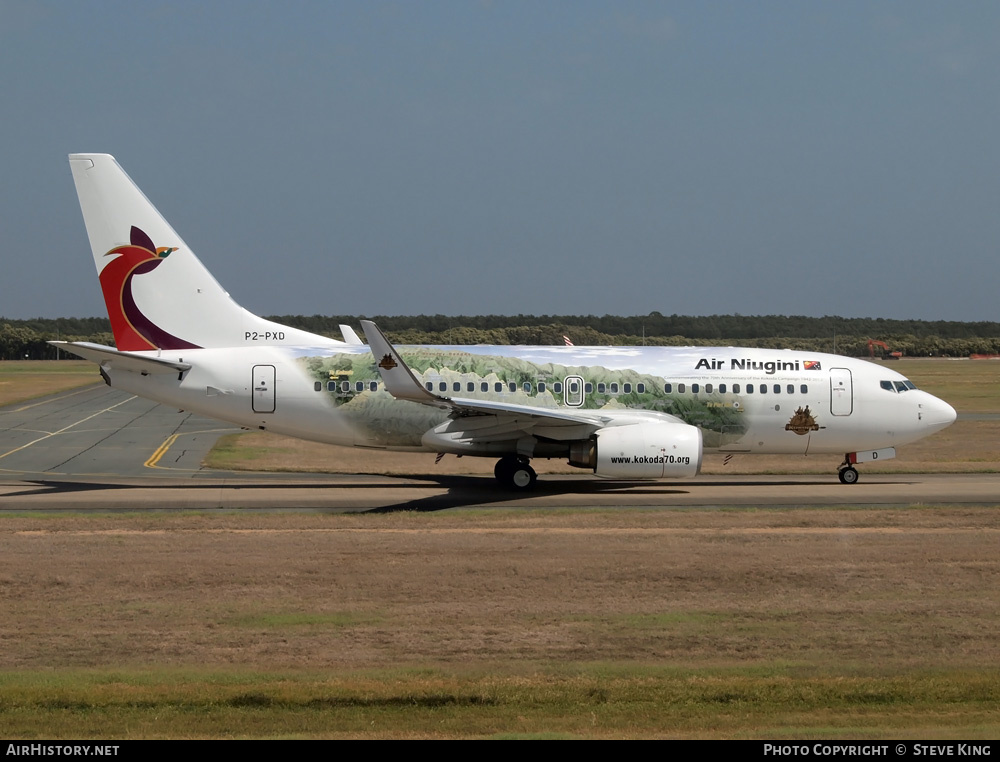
column 133, row 330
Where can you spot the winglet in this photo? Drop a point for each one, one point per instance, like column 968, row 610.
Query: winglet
column 398, row 378
column 350, row 335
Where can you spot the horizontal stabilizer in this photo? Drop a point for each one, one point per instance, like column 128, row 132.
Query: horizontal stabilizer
column 111, row 357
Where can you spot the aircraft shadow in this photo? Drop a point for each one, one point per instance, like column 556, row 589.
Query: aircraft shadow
column 471, row 491
column 445, row 491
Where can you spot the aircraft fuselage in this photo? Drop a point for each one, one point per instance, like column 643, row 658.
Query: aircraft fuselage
column 752, row 401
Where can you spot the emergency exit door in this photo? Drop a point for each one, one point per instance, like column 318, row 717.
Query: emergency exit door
column 573, row 391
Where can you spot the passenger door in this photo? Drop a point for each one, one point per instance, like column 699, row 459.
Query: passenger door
column 841, row 392
column 263, row 389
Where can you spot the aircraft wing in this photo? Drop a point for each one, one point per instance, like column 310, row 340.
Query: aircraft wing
column 555, row 423
column 109, row 356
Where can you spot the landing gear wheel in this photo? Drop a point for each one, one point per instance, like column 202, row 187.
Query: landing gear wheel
column 523, row 477
column 849, row 475
column 504, row 469
column 515, row 473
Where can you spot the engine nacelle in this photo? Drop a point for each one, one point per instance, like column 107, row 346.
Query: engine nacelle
column 642, row 451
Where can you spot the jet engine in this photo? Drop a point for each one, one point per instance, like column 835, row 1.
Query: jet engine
column 641, row 451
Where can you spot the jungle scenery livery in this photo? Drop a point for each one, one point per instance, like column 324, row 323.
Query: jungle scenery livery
column 620, row 412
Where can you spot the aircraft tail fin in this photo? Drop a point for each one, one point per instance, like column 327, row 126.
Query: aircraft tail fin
column 158, row 293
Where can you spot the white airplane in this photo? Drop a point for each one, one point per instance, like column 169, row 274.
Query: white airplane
column 620, row 412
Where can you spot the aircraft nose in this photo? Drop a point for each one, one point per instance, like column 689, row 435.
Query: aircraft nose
column 937, row 414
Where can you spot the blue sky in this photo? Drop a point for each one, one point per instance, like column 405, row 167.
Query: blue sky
column 519, row 157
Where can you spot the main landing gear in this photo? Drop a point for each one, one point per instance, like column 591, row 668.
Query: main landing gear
column 513, row 472
column 848, row 473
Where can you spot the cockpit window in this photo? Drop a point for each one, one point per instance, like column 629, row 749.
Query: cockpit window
column 887, row 385
column 900, row 386
column 909, row 384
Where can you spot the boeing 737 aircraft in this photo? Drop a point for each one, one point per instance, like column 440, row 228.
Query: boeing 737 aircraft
column 620, row 412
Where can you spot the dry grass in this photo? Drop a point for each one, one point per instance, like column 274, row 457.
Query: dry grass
column 20, row 381
column 856, row 588
column 753, row 623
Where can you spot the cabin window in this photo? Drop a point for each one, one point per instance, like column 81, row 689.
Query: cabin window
column 430, row 386
column 512, row 387
column 318, row 386
column 708, row 388
column 791, row 389
column 640, row 388
column 681, row 388
column 373, row 386
column 588, row 388
column 749, row 388
column 456, row 386
column 527, row 387
column 668, row 388
column 484, row 386
column 627, row 388
column 557, row 387
column 763, row 388
column 602, row 388
column 359, row 386
column 498, row 386
column 614, row 387
column 777, row 388
column 541, row 387
column 722, row 388
column 443, row 386
column 804, row 389
column 470, row 386
column 345, row 386
column 695, row 388
column 331, row 386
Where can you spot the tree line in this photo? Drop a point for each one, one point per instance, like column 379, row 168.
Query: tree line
column 28, row 339
column 848, row 336
column 714, row 327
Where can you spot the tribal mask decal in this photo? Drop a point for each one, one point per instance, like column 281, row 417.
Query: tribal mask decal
column 133, row 330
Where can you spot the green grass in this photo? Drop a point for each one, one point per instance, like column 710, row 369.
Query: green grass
column 45, row 367
column 569, row 701
column 226, row 455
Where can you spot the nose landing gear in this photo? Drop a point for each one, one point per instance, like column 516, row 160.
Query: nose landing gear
column 849, row 475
